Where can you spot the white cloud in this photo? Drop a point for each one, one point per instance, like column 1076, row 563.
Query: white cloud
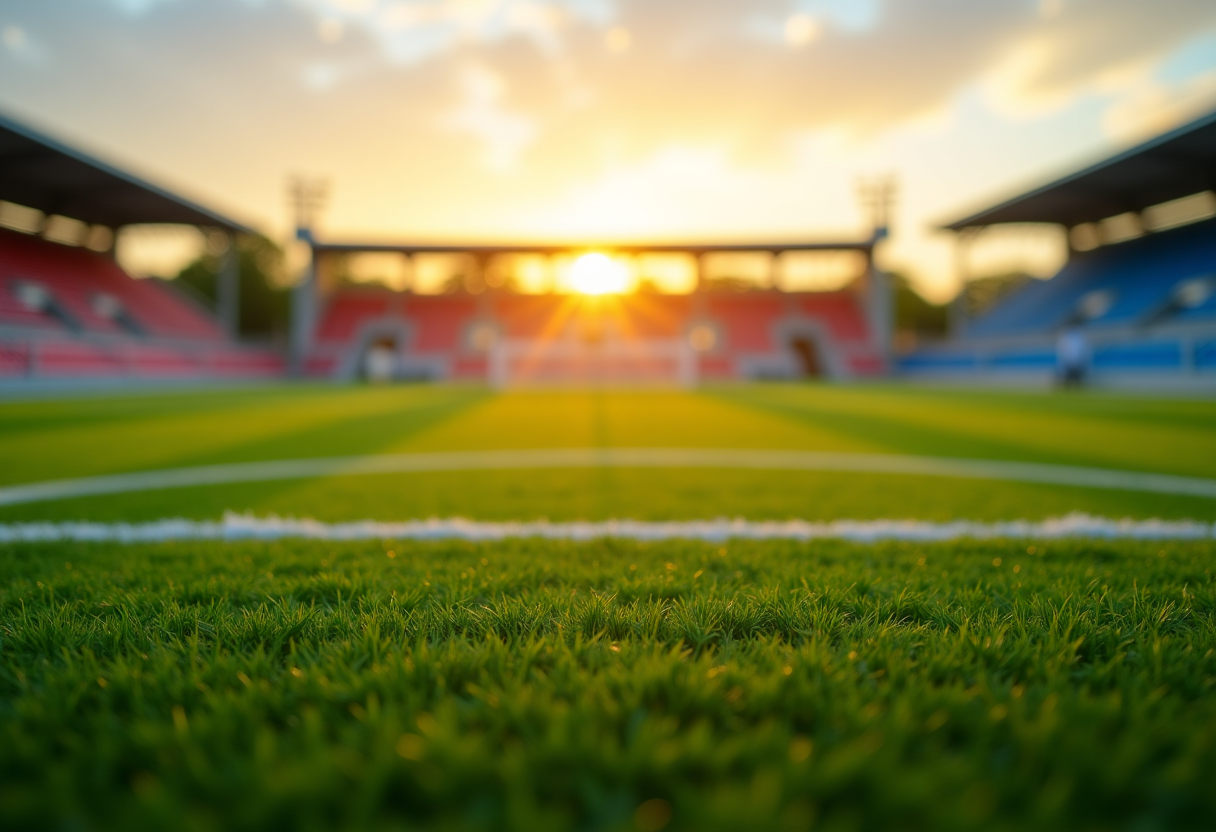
column 16, row 42
column 699, row 126
column 1082, row 48
column 503, row 134
column 1151, row 106
column 411, row 31
column 138, row 7
column 801, row 29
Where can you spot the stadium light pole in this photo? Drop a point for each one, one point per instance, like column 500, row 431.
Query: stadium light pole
column 308, row 197
column 877, row 198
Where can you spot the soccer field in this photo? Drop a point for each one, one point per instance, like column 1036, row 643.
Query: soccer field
column 74, row 438
column 616, row 683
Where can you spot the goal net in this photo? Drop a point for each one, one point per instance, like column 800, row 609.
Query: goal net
column 658, row 362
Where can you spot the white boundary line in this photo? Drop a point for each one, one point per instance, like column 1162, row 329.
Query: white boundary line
column 769, row 460
column 250, row 527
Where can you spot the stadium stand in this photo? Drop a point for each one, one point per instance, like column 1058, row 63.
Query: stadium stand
column 67, row 313
column 71, row 314
column 1146, row 306
column 553, row 338
column 441, row 323
column 1133, row 282
column 92, row 293
column 721, row 330
column 747, row 321
column 348, row 311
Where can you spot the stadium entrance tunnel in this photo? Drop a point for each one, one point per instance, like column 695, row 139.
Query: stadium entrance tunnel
column 379, row 363
column 807, row 357
column 379, row 354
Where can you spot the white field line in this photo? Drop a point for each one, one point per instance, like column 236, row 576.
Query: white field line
column 769, row 460
column 250, row 527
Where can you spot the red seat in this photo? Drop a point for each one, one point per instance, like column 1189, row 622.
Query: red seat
column 747, row 320
column 75, row 276
column 170, row 337
column 14, row 360
column 840, row 313
column 647, row 316
column 162, row 361
column 75, row 359
column 439, row 321
column 347, row 309
column 258, row 363
column 533, row 316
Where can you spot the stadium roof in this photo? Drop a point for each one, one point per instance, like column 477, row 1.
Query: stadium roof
column 696, row 248
column 1177, row 164
column 40, row 172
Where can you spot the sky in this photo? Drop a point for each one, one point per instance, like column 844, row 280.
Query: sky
column 496, row 120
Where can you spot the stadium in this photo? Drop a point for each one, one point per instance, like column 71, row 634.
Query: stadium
column 606, row 559
column 1140, row 282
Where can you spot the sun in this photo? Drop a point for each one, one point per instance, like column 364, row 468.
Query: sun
column 598, row 274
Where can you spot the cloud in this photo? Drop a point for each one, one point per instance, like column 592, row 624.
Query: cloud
column 504, row 135
column 1152, row 107
column 17, row 43
column 693, row 72
column 1090, row 46
column 707, row 114
column 412, row 31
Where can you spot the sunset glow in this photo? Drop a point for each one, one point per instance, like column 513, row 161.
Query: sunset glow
column 598, row 274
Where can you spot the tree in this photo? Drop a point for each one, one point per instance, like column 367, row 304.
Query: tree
column 914, row 314
column 264, row 302
column 984, row 293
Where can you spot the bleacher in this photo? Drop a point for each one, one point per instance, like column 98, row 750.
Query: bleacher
column 69, row 313
column 547, row 338
column 440, row 322
column 83, row 283
column 1147, row 306
column 746, row 320
column 350, row 309
column 1143, row 299
column 1135, row 282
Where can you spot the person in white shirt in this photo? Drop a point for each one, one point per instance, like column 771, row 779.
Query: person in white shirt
column 1072, row 356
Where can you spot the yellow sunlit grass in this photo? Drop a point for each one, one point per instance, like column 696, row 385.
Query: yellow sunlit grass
column 598, row 274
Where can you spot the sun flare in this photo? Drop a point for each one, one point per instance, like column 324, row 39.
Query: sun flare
column 598, row 274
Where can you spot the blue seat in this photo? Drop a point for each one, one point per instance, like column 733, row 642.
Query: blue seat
column 1143, row 356
column 1142, row 274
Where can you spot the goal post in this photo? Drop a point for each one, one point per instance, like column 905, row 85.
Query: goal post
column 655, row 362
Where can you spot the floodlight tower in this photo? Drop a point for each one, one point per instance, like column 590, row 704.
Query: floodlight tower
column 308, row 197
column 877, row 196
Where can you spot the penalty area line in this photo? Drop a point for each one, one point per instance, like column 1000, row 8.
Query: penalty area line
column 553, row 458
column 236, row 527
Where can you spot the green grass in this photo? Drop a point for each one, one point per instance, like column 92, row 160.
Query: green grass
column 610, row 685
column 89, row 436
column 531, row 685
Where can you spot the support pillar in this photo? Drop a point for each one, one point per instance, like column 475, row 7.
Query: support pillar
column 303, row 310
column 228, row 289
column 880, row 308
column 774, row 270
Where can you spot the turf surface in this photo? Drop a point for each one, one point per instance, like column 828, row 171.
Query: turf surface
column 610, row 685
column 89, row 436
